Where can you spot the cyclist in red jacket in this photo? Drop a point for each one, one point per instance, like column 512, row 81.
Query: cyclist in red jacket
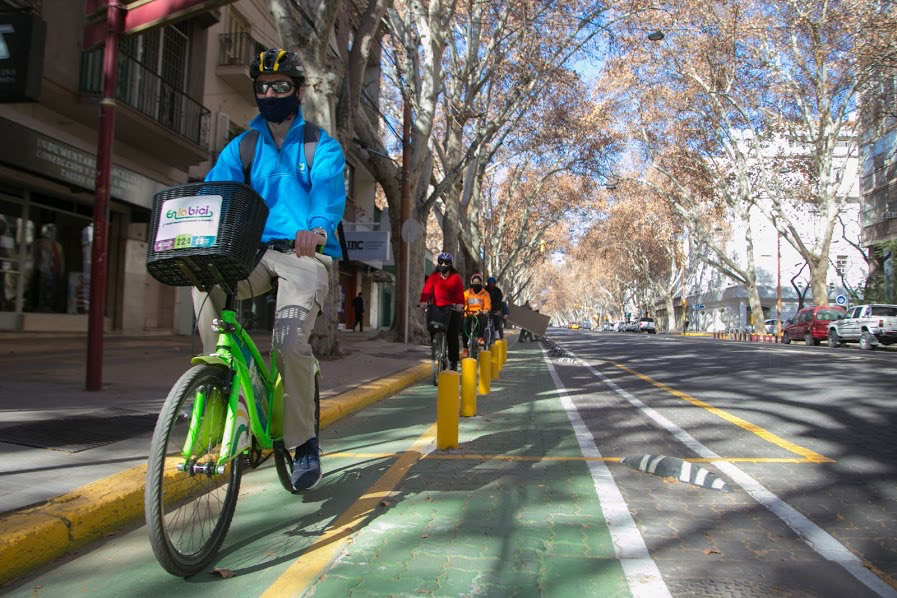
column 445, row 290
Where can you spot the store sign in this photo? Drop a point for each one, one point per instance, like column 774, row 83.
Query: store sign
column 22, row 39
column 364, row 246
column 43, row 155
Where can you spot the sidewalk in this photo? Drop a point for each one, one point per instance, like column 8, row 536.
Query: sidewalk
column 56, row 437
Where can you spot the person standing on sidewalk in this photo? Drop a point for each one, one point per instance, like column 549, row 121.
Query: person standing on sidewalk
column 305, row 206
column 444, row 289
column 358, row 304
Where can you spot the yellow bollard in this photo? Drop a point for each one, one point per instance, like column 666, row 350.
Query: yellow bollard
column 485, row 372
column 447, row 410
column 468, row 387
column 504, row 352
column 496, row 366
column 500, row 349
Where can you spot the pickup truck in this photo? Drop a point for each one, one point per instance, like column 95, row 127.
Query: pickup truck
column 870, row 325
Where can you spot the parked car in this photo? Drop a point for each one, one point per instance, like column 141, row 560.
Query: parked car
column 811, row 324
column 631, row 326
column 646, row 325
column 586, row 324
column 870, row 325
column 608, row 327
column 771, row 326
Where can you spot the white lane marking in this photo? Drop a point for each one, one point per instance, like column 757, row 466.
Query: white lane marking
column 815, row 537
column 653, row 467
column 641, row 571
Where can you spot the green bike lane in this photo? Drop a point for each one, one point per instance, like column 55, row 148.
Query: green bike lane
column 512, row 511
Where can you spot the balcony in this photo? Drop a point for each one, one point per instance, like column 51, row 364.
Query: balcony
column 235, row 54
column 151, row 113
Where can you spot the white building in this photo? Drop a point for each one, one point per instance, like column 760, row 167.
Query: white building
column 716, row 303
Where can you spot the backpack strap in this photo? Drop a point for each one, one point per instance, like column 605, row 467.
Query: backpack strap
column 310, row 137
column 247, row 152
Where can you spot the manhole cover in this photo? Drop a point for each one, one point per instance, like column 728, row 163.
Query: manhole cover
column 79, row 433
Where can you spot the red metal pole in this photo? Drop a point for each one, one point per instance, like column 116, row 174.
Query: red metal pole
column 99, row 260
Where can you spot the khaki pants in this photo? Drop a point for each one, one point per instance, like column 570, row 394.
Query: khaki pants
column 302, row 285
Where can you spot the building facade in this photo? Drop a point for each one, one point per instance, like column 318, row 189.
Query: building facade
column 183, row 92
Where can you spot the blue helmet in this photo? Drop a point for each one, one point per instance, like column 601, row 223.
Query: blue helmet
column 491, row 280
column 444, row 257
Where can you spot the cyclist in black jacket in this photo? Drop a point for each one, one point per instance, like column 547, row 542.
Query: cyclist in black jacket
column 497, row 300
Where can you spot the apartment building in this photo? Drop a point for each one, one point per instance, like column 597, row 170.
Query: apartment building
column 183, row 91
column 716, row 303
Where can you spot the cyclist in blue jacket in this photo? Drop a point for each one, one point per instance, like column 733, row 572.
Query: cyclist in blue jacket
column 305, row 206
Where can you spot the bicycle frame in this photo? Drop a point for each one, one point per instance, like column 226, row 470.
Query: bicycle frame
column 255, row 403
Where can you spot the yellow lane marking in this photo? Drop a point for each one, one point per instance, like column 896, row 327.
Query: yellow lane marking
column 478, row 457
column 317, row 557
column 766, row 435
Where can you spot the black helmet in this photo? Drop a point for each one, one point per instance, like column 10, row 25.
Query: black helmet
column 276, row 60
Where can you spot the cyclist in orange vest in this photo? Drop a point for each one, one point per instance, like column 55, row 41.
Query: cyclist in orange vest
column 477, row 305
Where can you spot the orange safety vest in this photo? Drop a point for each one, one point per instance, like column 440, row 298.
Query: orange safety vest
column 475, row 303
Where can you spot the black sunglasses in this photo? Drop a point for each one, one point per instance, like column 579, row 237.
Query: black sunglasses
column 441, row 262
column 262, row 87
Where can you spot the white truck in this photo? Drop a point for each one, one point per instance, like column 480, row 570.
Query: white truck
column 870, row 325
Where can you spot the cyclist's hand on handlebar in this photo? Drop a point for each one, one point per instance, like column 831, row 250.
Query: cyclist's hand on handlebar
column 422, row 305
column 307, row 242
column 459, row 307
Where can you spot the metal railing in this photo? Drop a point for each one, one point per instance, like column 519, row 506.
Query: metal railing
column 149, row 94
column 237, row 49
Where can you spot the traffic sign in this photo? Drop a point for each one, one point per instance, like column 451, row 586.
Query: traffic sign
column 841, row 300
column 698, row 306
column 410, row 230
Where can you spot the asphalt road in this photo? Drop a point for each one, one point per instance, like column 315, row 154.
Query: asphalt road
column 536, row 501
column 804, row 436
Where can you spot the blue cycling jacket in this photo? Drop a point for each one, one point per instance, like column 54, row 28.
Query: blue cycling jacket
column 297, row 199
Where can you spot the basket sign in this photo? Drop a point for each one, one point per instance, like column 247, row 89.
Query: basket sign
column 188, row 222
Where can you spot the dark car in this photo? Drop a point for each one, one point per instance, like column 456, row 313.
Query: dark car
column 811, row 324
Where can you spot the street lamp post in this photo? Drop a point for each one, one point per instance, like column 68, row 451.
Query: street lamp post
column 778, row 284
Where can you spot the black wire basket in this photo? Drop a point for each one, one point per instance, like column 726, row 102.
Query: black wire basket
column 185, row 246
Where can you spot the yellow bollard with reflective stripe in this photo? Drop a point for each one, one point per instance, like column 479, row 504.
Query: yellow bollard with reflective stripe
column 468, row 387
column 485, row 372
column 447, row 410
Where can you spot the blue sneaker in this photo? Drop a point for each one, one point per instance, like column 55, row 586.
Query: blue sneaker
column 307, row 465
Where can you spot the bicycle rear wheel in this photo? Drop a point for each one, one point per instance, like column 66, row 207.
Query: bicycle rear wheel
column 188, row 504
column 438, row 356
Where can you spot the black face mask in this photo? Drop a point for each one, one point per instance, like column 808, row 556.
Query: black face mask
column 276, row 110
column 476, row 287
column 443, row 268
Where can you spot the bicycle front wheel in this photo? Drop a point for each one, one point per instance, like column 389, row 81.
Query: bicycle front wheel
column 189, row 503
column 437, row 355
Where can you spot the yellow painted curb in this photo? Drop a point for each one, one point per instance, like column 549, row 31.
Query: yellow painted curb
column 341, row 405
column 35, row 536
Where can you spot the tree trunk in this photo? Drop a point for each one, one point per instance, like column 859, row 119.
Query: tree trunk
column 671, row 311
column 818, row 280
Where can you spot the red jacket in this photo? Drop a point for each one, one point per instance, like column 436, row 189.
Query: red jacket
column 443, row 291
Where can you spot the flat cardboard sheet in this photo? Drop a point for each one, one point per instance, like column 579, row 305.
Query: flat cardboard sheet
column 528, row 319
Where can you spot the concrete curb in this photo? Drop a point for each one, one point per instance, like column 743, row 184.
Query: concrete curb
column 38, row 535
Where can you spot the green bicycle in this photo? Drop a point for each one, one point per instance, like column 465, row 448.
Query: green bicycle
column 226, row 411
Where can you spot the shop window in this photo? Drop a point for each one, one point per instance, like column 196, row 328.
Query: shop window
column 57, row 263
column 11, row 246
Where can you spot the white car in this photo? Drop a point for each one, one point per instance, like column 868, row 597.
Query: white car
column 647, row 325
